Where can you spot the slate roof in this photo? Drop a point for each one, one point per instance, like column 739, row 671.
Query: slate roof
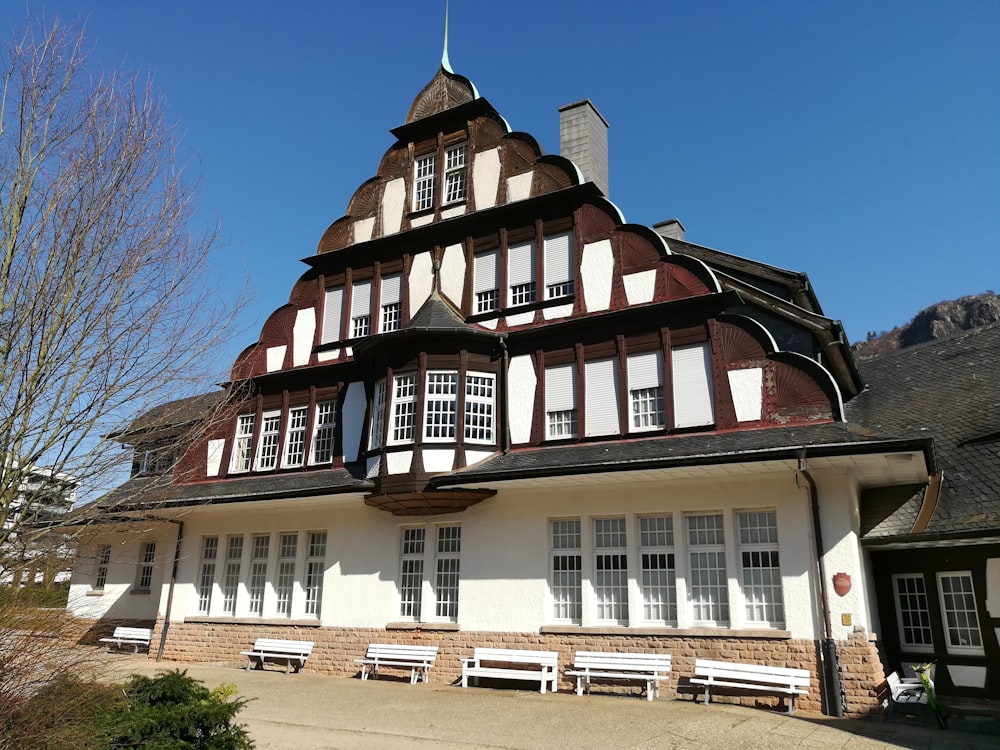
column 949, row 390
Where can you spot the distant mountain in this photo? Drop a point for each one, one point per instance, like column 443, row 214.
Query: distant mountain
column 938, row 321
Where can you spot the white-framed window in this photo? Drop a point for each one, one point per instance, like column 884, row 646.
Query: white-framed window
column 479, row 404
column 324, row 430
column 567, row 570
column 231, row 573
column 611, row 570
column 361, row 309
column 708, row 582
column 101, row 575
column 962, row 632
column 658, row 582
column 389, row 301
column 157, row 461
column 411, row 572
column 206, row 573
column 376, row 432
column 913, row 616
column 295, row 437
column 424, row 176
column 333, row 312
column 144, row 571
column 645, row 391
column 257, row 581
column 441, row 406
column 486, row 281
column 455, row 178
column 760, row 569
column 692, row 386
column 601, row 397
column 284, row 584
column 446, row 574
column 404, row 408
column 521, row 273
column 560, row 402
column 270, row 438
column 243, row 444
column 558, row 252
column 315, row 567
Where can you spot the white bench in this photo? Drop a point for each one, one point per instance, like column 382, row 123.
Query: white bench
column 293, row 653
column 536, row 666
column 910, row 694
column 134, row 637
column 419, row 659
column 648, row 668
column 790, row 682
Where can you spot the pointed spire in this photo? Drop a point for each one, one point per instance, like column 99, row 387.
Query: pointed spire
column 445, row 62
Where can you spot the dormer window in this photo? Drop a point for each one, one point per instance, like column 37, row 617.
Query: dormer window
column 361, row 309
column 242, row 449
column 486, row 281
column 390, row 303
column 559, row 265
column 424, row 173
column 453, row 180
column 521, row 273
column 455, row 174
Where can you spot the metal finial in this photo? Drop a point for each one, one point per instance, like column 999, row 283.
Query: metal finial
column 445, row 62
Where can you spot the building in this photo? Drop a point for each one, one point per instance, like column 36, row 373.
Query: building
column 494, row 412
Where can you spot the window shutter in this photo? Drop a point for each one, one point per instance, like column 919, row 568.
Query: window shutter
column 560, row 388
column 333, row 309
column 645, row 370
column 391, row 288
column 485, row 271
column 692, row 373
column 558, row 258
column 601, row 397
column 521, row 263
column 361, row 299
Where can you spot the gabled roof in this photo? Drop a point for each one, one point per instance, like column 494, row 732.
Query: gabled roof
column 170, row 417
column 949, row 390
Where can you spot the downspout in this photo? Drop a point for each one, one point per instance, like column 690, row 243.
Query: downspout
column 829, row 671
column 502, row 390
column 170, row 589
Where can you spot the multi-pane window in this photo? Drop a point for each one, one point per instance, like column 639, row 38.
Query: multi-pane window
column 144, row 572
column 567, row 570
column 560, row 402
column 600, row 378
column 315, row 565
column 658, row 581
column 389, row 301
column 376, row 432
column 295, row 437
column 912, row 612
column 692, row 386
column 455, row 173
column 361, row 309
column 558, row 251
column 231, row 574
column 243, row 443
column 270, row 438
column 645, row 389
column 285, row 582
column 411, row 572
column 333, row 311
column 707, row 579
column 479, row 407
column 424, row 173
column 486, row 281
column 610, row 570
column 103, row 560
column 258, row 572
column 441, row 402
column 404, row 408
column 760, row 569
column 449, row 548
column 961, row 618
column 206, row 574
column 521, row 273
column 323, row 432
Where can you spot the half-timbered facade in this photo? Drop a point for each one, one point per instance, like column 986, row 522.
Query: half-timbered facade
column 494, row 412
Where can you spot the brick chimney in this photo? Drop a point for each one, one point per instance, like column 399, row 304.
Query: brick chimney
column 583, row 139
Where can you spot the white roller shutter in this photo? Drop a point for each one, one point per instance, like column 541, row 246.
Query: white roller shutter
column 391, row 289
column 485, row 271
column 333, row 310
column 558, row 262
column 692, row 378
column 520, row 264
column 560, row 388
column 361, row 299
column 601, row 397
column 645, row 370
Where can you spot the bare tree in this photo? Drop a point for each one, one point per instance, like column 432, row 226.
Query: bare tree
column 108, row 306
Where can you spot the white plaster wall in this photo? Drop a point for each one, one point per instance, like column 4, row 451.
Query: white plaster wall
column 993, row 586
column 554, row 313
column 521, row 383
column 486, row 178
column 474, row 457
column 214, row 457
column 640, row 287
column 745, row 386
column 372, row 467
column 453, row 273
column 449, row 213
column 275, row 357
column 398, row 463
column 354, row 420
column 520, row 319
column 967, row 676
column 303, row 334
column 393, row 201
column 363, row 229
column 596, row 268
column 436, row 460
column 519, row 187
column 420, row 221
column 420, row 281
column 328, row 356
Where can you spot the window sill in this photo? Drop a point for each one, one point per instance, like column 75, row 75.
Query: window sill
column 517, row 309
column 140, row 592
column 450, row 627
column 679, row 632
column 95, row 593
column 252, row 621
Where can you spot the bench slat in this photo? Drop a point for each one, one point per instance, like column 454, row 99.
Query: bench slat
column 417, row 657
column 547, row 661
column 278, row 648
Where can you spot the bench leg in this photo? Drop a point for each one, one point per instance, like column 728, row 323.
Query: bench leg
column 791, row 704
column 651, row 686
column 579, row 685
column 708, row 696
column 413, row 675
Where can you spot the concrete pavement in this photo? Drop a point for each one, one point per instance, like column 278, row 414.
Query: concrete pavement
column 316, row 712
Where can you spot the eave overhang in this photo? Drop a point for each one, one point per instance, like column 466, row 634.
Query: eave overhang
column 445, row 121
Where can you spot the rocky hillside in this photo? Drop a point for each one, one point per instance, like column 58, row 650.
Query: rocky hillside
column 936, row 322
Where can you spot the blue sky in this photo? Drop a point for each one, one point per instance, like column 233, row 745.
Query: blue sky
column 856, row 141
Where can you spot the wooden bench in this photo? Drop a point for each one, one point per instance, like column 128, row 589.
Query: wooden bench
column 910, row 695
column 419, row 659
column 134, row 637
column 790, row 682
column 536, row 666
column 648, row 668
column 293, row 653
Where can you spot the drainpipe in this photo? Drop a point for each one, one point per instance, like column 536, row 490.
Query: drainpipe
column 502, row 390
column 829, row 671
column 170, row 589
